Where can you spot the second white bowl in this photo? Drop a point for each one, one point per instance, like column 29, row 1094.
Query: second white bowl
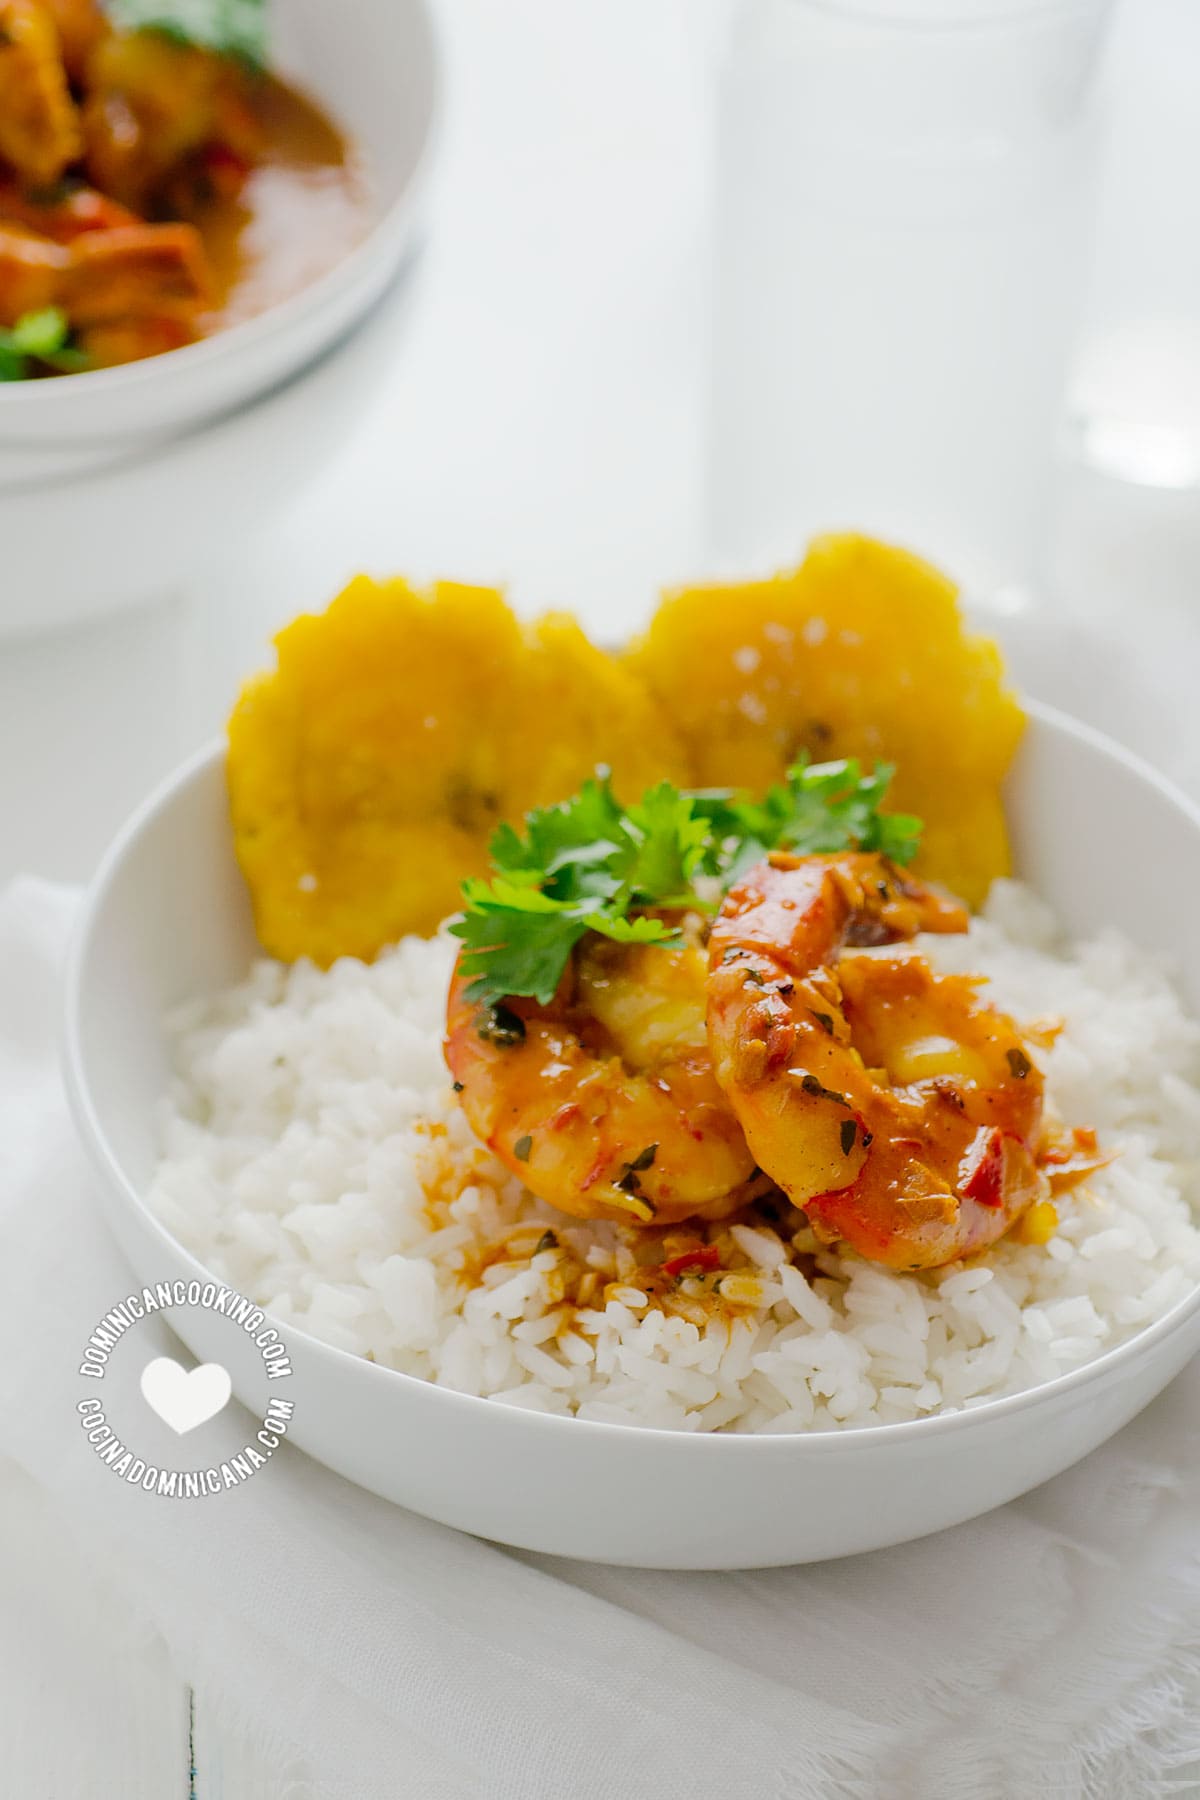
column 371, row 64
column 134, row 530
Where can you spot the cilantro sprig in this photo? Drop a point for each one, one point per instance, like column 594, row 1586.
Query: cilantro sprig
column 39, row 337
column 818, row 809
column 230, row 27
column 585, row 865
column 590, row 864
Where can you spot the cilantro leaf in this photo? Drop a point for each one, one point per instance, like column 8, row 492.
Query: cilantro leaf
column 230, row 27
column 819, row 809
column 667, row 842
column 38, row 337
column 40, row 333
column 567, row 845
column 636, row 928
column 513, row 951
column 580, row 866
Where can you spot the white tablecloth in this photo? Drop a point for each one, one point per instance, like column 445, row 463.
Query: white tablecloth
column 1050, row 1648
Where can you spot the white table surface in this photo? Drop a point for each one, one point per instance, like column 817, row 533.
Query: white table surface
column 538, row 425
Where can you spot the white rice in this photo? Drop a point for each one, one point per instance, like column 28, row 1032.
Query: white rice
column 314, row 1157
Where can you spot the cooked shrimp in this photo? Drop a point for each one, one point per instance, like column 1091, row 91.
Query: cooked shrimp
column 153, row 103
column 122, row 275
column 116, row 341
column 134, row 271
column 61, row 214
column 605, row 1102
column 39, row 122
column 81, row 25
column 32, row 271
column 886, row 1100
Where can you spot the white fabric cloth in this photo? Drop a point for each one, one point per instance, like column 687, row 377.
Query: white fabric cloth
column 1052, row 1648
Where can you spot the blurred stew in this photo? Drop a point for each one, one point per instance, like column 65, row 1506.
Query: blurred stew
column 156, row 184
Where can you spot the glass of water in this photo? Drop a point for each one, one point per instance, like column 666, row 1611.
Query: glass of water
column 902, row 194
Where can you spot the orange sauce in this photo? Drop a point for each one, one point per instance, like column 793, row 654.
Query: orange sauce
column 304, row 206
column 726, row 1288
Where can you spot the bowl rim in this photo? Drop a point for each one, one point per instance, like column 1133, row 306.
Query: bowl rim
column 825, row 1440
column 20, row 400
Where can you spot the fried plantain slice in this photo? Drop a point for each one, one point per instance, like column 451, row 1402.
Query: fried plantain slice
column 368, row 772
column 590, row 709
column 862, row 651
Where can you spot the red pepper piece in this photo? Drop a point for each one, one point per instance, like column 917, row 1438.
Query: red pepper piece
column 226, row 170
column 981, row 1171
column 704, row 1256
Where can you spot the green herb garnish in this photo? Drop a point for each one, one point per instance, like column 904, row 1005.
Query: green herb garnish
column 590, row 864
column 587, row 865
column 230, row 27
column 819, row 808
column 39, row 337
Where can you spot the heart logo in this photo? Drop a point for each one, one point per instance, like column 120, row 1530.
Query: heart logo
column 185, row 1398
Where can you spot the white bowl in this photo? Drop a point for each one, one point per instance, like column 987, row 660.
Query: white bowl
column 1098, row 833
column 371, row 65
column 112, row 482
column 134, row 530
